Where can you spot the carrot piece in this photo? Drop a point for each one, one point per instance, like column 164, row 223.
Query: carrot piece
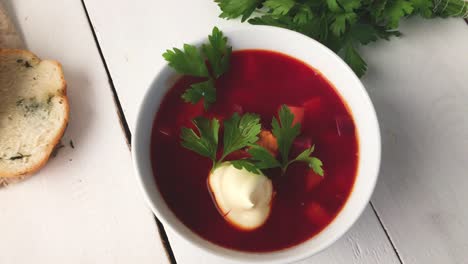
column 317, row 214
column 268, row 141
column 313, row 105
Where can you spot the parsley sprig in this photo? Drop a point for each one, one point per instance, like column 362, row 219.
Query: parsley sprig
column 239, row 132
column 192, row 61
column 342, row 25
column 285, row 132
column 242, row 132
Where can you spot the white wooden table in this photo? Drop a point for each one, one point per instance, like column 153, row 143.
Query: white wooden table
column 84, row 207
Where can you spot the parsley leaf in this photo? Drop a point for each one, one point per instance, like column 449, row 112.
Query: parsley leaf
column 279, row 7
column 395, row 10
column 303, row 15
column 423, row 7
column 338, row 26
column 262, row 158
column 188, row 62
column 240, row 132
column 217, row 52
column 350, row 5
column 206, row 143
column 285, row 132
column 354, row 60
column 376, row 9
column 364, row 33
column 333, row 5
column 201, row 90
column 236, row 8
column 314, row 163
column 270, row 20
column 246, row 164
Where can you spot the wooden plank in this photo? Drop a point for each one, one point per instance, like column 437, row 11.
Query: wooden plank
column 84, row 206
column 133, row 37
column 419, row 86
column 9, row 38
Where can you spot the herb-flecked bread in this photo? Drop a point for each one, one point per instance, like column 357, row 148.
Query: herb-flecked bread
column 33, row 112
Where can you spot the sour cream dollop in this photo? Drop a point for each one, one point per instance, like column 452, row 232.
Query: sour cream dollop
column 242, row 197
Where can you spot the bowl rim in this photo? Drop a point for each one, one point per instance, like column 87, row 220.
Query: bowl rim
column 260, row 257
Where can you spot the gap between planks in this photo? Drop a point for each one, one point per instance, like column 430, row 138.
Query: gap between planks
column 386, row 233
column 126, row 129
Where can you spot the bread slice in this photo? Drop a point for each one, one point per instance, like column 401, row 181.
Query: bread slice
column 33, row 112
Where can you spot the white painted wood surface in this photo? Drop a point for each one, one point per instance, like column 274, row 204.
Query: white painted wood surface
column 84, row 206
column 133, row 39
column 419, row 85
column 88, row 210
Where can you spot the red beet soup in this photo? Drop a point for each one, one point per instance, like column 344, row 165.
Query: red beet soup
column 304, row 203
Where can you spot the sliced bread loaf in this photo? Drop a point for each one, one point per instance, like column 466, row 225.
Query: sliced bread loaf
column 33, row 111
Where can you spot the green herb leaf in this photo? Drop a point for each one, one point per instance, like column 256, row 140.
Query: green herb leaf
column 314, row 163
column 191, row 62
column 338, row 26
column 350, row 5
column 203, row 90
column 395, row 10
column 217, row 52
column 246, row 164
column 333, row 6
column 304, row 14
column 236, row 8
column 262, row 158
column 270, row 20
column 423, row 7
column 376, row 9
column 364, row 33
column 206, row 143
column 285, row 132
column 279, row 7
column 354, row 60
column 188, row 62
column 240, row 132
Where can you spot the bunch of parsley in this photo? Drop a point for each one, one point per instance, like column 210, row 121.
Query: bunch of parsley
column 341, row 25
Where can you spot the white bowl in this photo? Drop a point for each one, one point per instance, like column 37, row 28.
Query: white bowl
column 348, row 86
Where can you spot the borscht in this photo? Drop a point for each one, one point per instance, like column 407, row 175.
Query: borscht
column 252, row 150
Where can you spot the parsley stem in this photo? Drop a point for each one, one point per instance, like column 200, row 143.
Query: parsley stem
column 222, row 158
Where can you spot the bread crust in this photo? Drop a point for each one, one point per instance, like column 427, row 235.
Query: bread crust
column 6, row 177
